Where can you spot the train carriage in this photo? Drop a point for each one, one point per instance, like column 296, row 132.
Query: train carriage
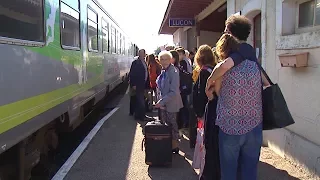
column 58, row 58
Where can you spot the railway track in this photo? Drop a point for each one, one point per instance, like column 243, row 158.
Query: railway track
column 69, row 141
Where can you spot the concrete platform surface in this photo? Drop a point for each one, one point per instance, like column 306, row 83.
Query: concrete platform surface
column 115, row 153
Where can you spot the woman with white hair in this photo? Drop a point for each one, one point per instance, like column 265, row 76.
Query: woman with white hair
column 168, row 83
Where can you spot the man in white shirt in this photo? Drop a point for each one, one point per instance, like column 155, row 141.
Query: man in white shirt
column 185, row 62
column 188, row 59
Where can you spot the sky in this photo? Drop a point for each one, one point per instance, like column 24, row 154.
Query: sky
column 141, row 20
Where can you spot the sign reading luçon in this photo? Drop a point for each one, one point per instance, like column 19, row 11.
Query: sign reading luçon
column 181, row 22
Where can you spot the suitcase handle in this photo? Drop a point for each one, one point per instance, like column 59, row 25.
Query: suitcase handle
column 158, row 120
column 142, row 143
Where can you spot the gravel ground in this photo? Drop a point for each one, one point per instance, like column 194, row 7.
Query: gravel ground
column 115, row 154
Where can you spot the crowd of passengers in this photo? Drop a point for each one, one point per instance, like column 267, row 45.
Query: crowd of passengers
column 226, row 97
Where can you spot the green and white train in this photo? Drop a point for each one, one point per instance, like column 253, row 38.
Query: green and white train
column 58, row 58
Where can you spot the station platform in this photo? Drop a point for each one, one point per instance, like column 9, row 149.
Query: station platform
column 115, row 153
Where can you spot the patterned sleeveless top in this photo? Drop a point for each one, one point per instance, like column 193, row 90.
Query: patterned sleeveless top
column 239, row 108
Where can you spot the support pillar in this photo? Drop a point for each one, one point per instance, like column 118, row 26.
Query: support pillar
column 198, row 34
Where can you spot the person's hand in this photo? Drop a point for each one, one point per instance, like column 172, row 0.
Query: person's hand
column 209, row 93
column 209, row 85
column 265, row 87
column 158, row 105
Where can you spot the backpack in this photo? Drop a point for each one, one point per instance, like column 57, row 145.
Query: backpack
column 186, row 81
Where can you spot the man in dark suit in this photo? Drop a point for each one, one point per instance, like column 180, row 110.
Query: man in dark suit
column 139, row 82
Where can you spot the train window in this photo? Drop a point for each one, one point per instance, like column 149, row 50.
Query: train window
column 128, row 48
column 70, row 23
column 118, row 42
column 17, row 15
column 105, row 36
column 113, row 40
column 92, row 30
column 74, row 4
column 124, row 46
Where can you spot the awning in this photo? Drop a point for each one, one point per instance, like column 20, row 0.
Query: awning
column 181, row 9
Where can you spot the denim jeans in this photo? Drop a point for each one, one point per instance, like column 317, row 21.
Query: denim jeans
column 242, row 150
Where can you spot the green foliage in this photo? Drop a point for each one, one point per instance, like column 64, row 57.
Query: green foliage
column 157, row 51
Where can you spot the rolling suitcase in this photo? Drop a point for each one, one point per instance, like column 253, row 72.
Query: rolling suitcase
column 158, row 144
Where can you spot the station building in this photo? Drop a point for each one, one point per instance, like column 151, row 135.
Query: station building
column 286, row 36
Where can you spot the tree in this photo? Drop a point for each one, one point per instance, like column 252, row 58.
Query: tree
column 157, row 51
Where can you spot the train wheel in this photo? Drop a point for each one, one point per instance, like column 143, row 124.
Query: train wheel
column 48, row 151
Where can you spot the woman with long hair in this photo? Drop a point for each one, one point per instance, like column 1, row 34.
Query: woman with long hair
column 175, row 62
column 226, row 45
column 154, row 71
column 175, row 58
column 206, row 61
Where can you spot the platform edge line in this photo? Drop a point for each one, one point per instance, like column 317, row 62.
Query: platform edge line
column 65, row 168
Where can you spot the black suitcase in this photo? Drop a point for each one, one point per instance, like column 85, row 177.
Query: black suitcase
column 158, row 144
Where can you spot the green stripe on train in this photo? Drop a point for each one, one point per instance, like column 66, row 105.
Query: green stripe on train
column 16, row 113
column 19, row 112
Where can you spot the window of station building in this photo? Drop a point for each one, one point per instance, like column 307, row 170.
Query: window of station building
column 92, row 30
column 309, row 13
column 17, row 15
column 70, row 23
column 105, row 36
column 113, row 40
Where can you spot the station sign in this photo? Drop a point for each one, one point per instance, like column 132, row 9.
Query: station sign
column 181, row 22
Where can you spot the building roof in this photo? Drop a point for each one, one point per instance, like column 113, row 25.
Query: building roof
column 181, row 9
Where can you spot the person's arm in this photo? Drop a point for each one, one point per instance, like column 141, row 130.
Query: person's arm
column 265, row 80
column 221, row 68
column 217, row 86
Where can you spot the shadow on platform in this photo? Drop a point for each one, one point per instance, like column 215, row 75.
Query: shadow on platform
column 268, row 172
column 182, row 169
column 115, row 154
